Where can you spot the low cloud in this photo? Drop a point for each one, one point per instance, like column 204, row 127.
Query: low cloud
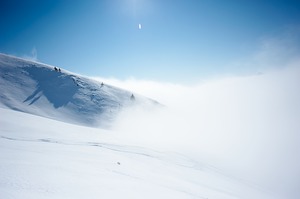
column 272, row 52
column 277, row 51
column 247, row 125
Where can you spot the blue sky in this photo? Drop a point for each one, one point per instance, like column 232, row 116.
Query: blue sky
column 179, row 40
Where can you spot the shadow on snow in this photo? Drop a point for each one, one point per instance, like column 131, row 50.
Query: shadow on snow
column 57, row 87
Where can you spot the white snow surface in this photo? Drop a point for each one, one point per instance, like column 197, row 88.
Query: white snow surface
column 36, row 88
column 44, row 158
column 51, row 145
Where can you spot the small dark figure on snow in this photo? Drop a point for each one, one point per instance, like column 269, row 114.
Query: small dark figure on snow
column 102, row 84
column 132, row 97
column 55, row 68
column 59, row 70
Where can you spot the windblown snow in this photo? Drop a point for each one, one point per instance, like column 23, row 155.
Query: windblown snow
column 51, row 145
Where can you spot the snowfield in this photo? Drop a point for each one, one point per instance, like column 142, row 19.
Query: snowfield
column 44, row 158
column 67, row 136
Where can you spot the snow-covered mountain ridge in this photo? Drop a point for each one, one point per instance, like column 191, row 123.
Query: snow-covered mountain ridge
column 39, row 89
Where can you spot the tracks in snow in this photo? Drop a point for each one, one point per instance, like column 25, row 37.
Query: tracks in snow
column 166, row 157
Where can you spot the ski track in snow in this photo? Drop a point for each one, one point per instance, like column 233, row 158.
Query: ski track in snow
column 167, row 158
column 111, row 147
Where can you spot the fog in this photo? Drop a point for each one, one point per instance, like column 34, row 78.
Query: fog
column 247, row 126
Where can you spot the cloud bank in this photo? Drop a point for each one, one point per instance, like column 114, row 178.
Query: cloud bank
column 247, row 125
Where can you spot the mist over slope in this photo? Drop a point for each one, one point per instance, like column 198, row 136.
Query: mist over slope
column 44, row 158
column 236, row 137
column 246, row 125
column 39, row 89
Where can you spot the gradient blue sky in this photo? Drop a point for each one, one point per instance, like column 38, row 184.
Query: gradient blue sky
column 180, row 40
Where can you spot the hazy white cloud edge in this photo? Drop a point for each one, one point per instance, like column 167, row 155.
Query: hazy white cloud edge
column 248, row 125
column 272, row 52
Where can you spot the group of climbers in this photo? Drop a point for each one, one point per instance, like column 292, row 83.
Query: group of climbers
column 57, row 69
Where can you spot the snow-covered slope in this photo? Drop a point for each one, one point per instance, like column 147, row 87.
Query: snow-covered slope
column 43, row 158
column 55, row 158
column 38, row 89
